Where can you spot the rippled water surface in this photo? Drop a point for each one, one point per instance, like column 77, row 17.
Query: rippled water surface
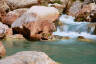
column 64, row 51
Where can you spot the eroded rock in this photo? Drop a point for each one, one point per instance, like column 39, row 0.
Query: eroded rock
column 28, row 57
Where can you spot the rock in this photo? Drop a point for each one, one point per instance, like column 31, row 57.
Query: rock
column 9, row 32
column 20, row 3
column 36, row 30
column 4, row 8
column 81, row 38
column 2, row 50
column 56, row 37
column 37, row 13
column 3, row 29
column 37, row 20
column 15, row 36
column 86, row 12
column 13, row 15
column 82, row 11
column 28, row 57
column 75, row 8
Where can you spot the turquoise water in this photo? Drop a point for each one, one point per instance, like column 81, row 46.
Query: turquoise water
column 63, row 51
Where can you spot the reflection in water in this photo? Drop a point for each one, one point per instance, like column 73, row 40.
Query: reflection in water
column 64, row 51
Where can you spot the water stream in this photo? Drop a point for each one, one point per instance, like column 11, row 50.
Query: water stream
column 73, row 29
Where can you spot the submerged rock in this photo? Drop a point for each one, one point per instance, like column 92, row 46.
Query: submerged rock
column 13, row 15
column 28, row 57
column 2, row 50
column 14, row 4
column 81, row 38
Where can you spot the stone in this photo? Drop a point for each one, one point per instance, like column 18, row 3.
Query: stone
column 81, row 38
column 2, row 50
column 13, row 15
column 15, row 36
column 4, row 8
column 28, row 57
column 39, row 30
column 37, row 13
column 20, row 3
column 9, row 32
column 75, row 8
column 3, row 29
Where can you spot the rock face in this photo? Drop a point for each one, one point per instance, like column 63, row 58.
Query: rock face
column 2, row 50
column 36, row 21
column 21, row 3
column 13, row 15
column 28, row 57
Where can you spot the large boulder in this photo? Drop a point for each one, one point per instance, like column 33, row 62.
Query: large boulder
column 14, row 4
column 36, row 21
column 28, row 57
column 2, row 50
column 13, row 15
column 39, row 30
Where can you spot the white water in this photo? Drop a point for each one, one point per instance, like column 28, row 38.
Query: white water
column 74, row 29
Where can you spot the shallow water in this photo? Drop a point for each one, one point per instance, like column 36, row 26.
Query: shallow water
column 63, row 51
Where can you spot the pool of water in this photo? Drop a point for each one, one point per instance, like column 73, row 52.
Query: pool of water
column 63, row 51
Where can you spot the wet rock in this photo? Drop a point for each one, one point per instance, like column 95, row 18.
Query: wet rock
column 28, row 57
column 13, row 15
column 2, row 50
column 56, row 37
column 15, row 36
column 20, row 3
column 37, row 13
column 81, row 38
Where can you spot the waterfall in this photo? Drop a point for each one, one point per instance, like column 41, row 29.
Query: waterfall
column 73, row 29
